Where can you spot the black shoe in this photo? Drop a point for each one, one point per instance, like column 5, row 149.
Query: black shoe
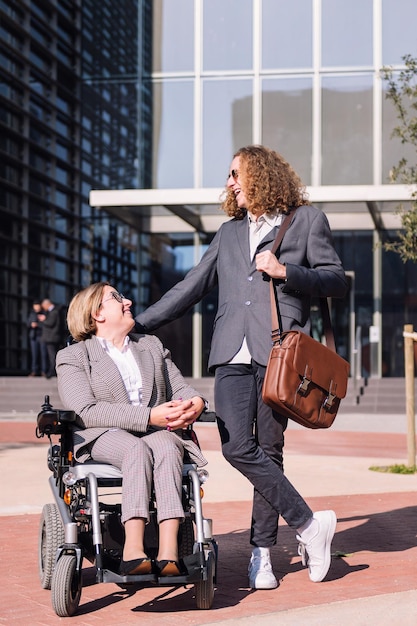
column 136, row 567
column 169, row 568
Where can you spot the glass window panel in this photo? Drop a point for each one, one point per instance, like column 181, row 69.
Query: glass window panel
column 14, row 12
column 346, row 32
column 61, row 223
column 10, row 146
column 399, row 18
column 347, row 130
column 63, row 32
column 63, row 104
column 36, row 84
column 62, row 199
column 392, row 148
column 173, row 35
column 227, row 36
column 287, row 121
column 37, row 109
column 41, row 11
column 37, row 135
column 60, row 247
column 227, row 126
column 40, row 61
column 62, row 175
column 63, row 128
column 64, row 55
column 62, row 151
column 280, row 20
column 38, row 33
column 173, row 151
column 9, row 172
column 61, row 268
column 9, row 118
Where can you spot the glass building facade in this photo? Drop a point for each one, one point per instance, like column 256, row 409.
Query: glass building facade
column 68, row 123
column 156, row 96
column 304, row 79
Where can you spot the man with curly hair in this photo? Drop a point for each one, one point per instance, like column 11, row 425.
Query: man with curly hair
column 261, row 187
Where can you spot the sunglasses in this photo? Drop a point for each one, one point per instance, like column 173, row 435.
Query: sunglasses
column 119, row 297
column 234, row 174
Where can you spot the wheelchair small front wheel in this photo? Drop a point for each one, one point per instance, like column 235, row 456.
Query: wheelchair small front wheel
column 51, row 537
column 204, row 590
column 66, row 586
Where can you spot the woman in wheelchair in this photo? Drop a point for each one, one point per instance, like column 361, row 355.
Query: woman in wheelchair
column 132, row 405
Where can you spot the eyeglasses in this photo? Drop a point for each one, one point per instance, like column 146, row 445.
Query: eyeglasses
column 119, row 297
column 234, row 174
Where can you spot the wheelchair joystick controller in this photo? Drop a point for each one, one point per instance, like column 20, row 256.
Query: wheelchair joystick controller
column 47, row 420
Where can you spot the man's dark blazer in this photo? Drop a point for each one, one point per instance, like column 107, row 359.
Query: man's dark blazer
column 51, row 327
column 313, row 269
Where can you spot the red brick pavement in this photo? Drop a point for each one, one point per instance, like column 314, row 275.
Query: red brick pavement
column 375, row 552
column 376, row 535
column 319, row 442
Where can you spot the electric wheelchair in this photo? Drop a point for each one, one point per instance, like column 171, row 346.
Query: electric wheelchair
column 84, row 521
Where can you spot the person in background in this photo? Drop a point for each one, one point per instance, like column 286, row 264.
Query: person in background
column 261, row 187
column 133, row 406
column 51, row 333
column 39, row 357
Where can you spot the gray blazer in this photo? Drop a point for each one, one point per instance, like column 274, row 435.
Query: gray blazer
column 313, row 269
column 90, row 384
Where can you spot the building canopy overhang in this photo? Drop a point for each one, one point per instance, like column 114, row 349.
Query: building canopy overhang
column 350, row 207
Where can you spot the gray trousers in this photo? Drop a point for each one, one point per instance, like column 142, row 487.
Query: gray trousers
column 157, row 458
column 252, row 437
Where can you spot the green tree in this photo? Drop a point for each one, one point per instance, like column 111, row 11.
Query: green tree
column 402, row 91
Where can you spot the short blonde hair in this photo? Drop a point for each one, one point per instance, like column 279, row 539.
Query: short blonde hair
column 80, row 320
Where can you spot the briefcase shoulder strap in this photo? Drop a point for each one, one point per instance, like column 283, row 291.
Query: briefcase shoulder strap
column 275, row 312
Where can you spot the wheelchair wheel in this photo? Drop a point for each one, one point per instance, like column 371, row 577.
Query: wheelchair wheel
column 204, row 590
column 186, row 538
column 66, row 586
column 51, row 536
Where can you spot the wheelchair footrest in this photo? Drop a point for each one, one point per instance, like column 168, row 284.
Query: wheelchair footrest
column 114, row 577
column 184, row 579
column 196, row 572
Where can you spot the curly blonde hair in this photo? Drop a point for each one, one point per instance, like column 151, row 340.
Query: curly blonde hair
column 269, row 182
column 85, row 303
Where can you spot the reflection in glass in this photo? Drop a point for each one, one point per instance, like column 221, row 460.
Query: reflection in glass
column 346, row 32
column 173, row 35
column 392, row 148
column 287, row 121
column 61, row 223
column 399, row 19
column 280, row 20
column 60, row 246
column 227, row 35
column 347, row 130
column 173, row 150
column 227, row 125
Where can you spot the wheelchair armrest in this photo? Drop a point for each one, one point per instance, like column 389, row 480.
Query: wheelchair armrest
column 207, row 416
column 66, row 417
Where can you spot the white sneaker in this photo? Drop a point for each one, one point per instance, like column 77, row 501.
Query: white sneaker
column 260, row 571
column 317, row 549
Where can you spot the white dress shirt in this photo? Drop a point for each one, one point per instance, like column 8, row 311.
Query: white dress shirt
column 258, row 229
column 128, row 368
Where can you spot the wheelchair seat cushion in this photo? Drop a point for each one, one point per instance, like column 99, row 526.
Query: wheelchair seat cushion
column 100, row 470
column 105, row 470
